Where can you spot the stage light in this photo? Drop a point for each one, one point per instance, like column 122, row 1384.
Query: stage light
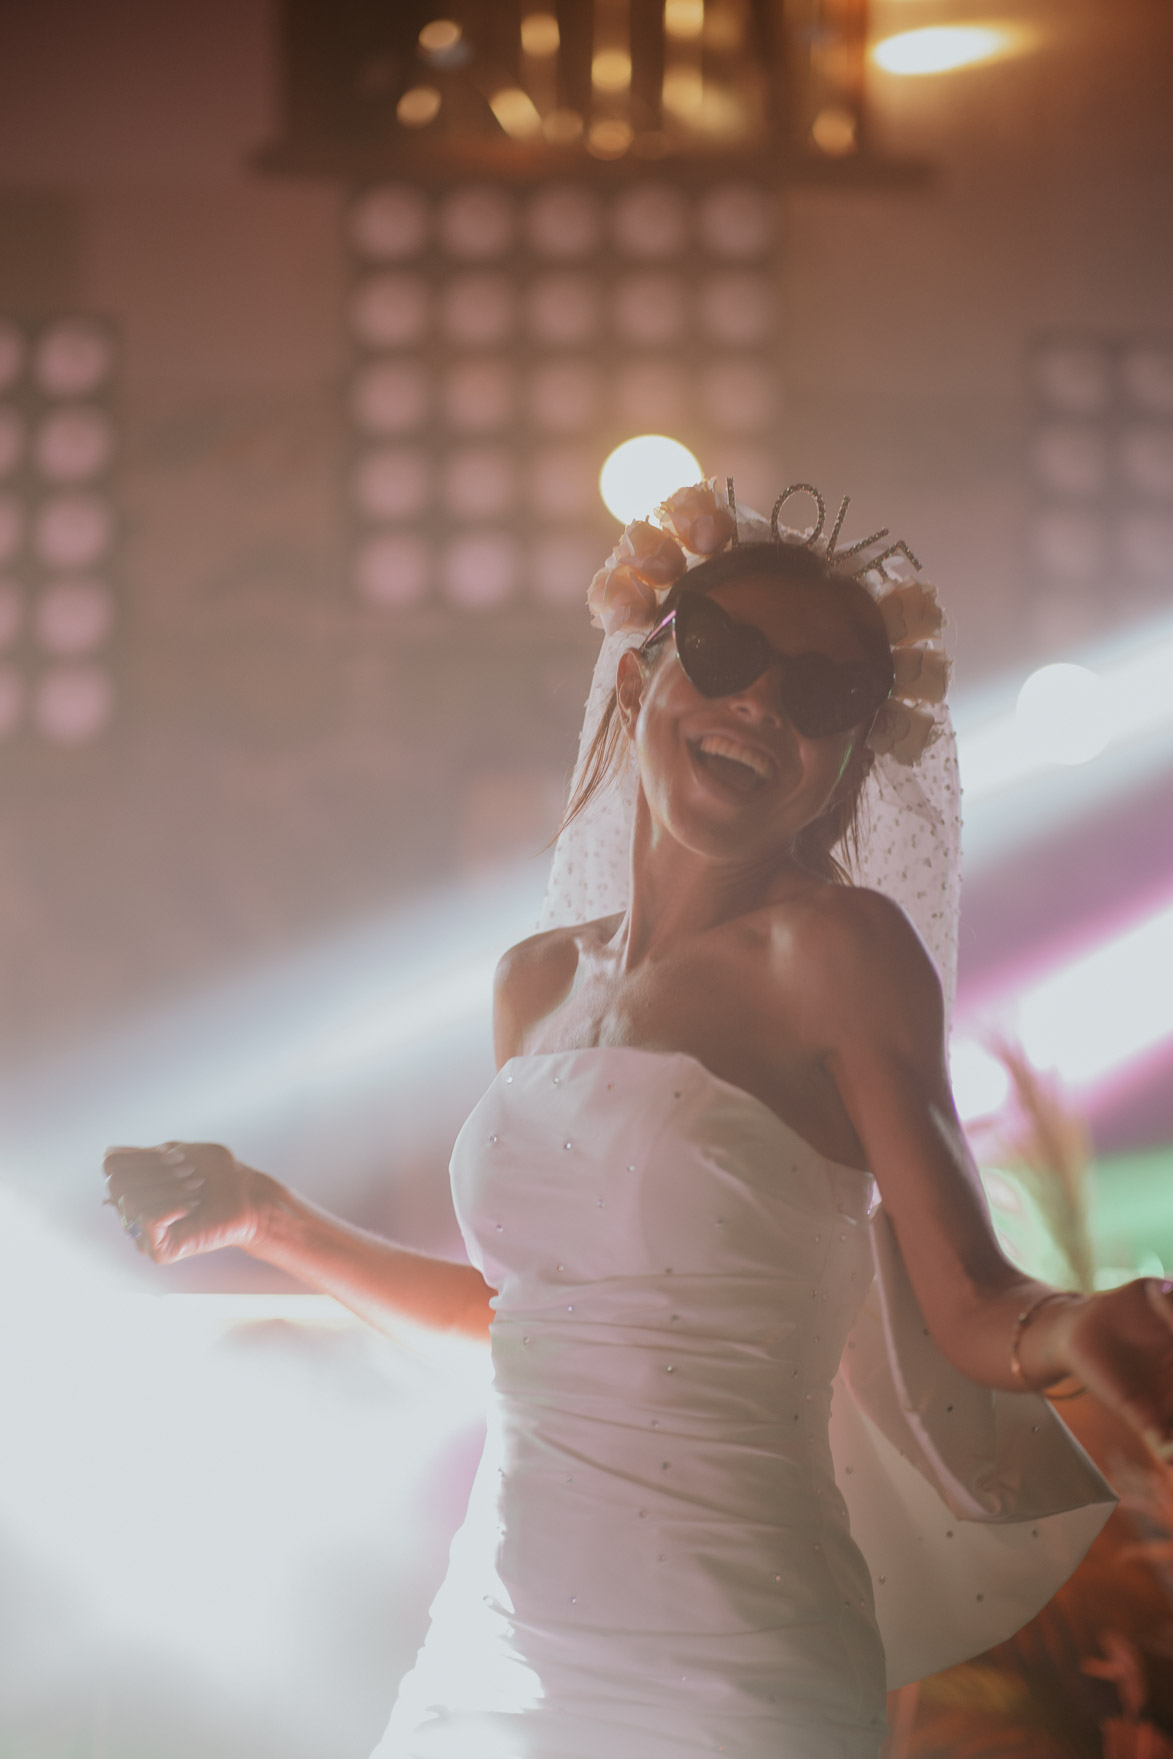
column 478, row 222
column 981, row 1085
column 608, row 137
column 563, row 307
column 12, row 438
column 73, row 358
column 1073, row 376
column 651, row 220
column 72, row 704
column 651, row 393
column 565, row 220
column 391, row 396
column 835, row 131
column 737, row 308
column 418, row 106
column 1070, row 543
column 940, row 48
column 479, row 308
column 517, row 113
column 563, row 396
column 440, row 37
column 1071, row 459
column 13, row 353
column 1133, row 703
column 73, row 530
column 391, row 482
column 1147, row 371
column 1062, row 714
column 539, row 34
column 1146, row 458
column 12, row 525
column 1087, row 1019
column 738, row 395
column 390, row 310
column 12, row 612
column 73, row 616
column 683, row 92
column 12, row 700
column 1106, row 1008
column 684, row 19
column 74, row 444
column 1146, row 543
column 480, row 571
column 389, row 222
column 642, row 471
column 611, row 70
column 650, row 309
column 480, row 482
column 479, row 396
column 393, row 570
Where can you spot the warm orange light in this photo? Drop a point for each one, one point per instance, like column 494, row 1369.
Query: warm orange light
column 418, row 106
column 683, row 91
column 515, row 111
column 440, row 36
column 608, row 137
column 684, row 19
column 834, row 131
column 940, row 48
column 611, row 70
column 540, row 34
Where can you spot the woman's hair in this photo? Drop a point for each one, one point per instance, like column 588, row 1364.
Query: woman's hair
column 785, row 563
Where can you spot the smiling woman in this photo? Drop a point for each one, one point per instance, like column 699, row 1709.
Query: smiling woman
column 759, row 1446
column 829, row 670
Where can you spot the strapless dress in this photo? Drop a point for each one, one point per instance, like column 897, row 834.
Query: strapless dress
column 730, row 1488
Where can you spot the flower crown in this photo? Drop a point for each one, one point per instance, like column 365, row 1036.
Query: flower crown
column 695, row 524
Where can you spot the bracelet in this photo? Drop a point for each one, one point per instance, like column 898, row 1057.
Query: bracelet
column 1020, row 1325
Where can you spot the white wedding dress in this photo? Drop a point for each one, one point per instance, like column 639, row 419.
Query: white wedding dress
column 691, row 1533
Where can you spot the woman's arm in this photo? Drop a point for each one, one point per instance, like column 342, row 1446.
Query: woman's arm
column 881, row 1018
column 192, row 1197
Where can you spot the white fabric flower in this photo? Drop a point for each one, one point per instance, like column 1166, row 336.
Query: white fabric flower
column 910, row 611
column 653, row 554
column 922, row 673
column 618, row 596
column 697, row 518
column 901, row 731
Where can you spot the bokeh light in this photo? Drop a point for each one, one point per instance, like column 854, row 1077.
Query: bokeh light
column 1062, row 712
column 643, row 471
column 940, row 48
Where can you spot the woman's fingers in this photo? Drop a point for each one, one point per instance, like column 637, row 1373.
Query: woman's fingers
column 159, row 1206
column 130, row 1172
column 1160, row 1294
column 179, row 1198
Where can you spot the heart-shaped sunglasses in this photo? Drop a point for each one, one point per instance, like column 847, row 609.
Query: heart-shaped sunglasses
column 722, row 657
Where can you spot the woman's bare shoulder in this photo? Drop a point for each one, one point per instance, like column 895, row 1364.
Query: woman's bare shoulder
column 858, row 947
column 534, row 976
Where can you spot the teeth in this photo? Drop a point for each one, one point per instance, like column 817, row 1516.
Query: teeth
column 721, row 746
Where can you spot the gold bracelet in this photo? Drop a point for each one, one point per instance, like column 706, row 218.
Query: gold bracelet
column 1020, row 1325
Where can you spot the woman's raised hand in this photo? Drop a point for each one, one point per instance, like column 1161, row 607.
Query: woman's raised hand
column 185, row 1197
column 1120, row 1344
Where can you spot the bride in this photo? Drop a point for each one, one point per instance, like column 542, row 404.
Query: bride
column 679, row 1542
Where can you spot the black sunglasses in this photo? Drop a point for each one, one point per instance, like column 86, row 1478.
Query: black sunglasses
column 721, row 657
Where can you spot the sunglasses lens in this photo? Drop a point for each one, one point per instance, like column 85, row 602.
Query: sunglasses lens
column 822, row 697
column 721, row 657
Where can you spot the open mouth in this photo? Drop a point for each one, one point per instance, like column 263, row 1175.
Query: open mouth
column 738, row 768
